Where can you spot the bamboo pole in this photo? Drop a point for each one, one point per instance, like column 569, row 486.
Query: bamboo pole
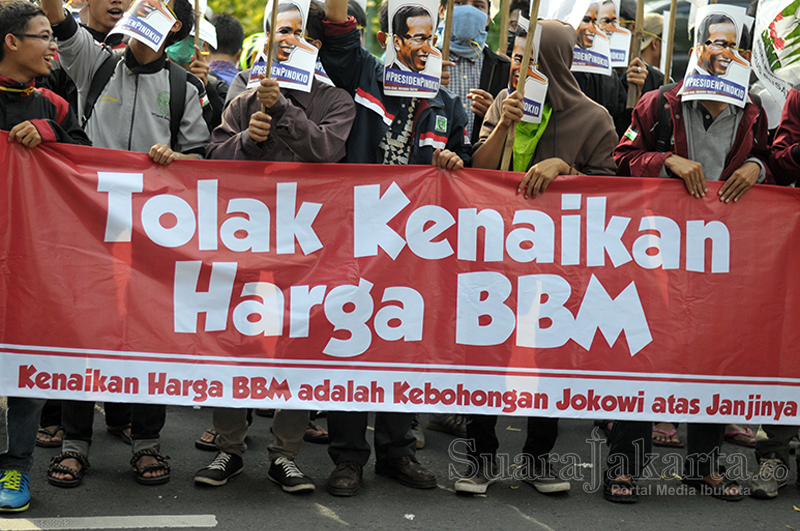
column 523, row 76
column 197, row 16
column 505, row 14
column 673, row 10
column 634, row 92
column 271, row 43
column 448, row 29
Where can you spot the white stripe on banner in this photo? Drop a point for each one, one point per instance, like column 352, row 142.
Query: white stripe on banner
column 109, row 522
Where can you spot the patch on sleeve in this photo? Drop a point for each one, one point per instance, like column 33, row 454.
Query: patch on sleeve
column 631, row 133
column 441, row 124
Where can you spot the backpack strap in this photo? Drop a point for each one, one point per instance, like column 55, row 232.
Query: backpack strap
column 177, row 99
column 664, row 125
column 99, row 82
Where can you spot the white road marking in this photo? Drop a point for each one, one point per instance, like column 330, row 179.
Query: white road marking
column 109, row 522
column 532, row 519
column 328, row 513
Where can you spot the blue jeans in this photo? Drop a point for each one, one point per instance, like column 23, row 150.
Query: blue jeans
column 22, row 422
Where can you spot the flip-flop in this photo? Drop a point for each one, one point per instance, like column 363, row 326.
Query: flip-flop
column 718, row 492
column 316, row 434
column 611, row 491
column 52, row 434
column 119, row 432
column 744, row 437
column 667, row 443
column 200, row 444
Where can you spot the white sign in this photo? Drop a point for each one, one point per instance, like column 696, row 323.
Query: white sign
column 413, row 65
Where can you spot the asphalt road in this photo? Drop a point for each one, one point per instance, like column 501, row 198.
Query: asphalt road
column 109, row 498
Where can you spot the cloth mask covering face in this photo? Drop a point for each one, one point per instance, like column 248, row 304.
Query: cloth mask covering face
column 181, row 52
column 468, row 34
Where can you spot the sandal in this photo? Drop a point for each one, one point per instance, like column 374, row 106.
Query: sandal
column 743, row 437
column 200, row 444
column 119, row 431
column 668, row 443
column 705, row 488
column 160, row 464
column 56, row 466
column 315, row 434
column 613, row 491
column 52, row 443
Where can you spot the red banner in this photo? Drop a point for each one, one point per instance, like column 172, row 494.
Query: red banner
column 394, row 288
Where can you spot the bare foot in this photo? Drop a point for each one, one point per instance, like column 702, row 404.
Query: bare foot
column 71, row 463
column 150, row 460
column 57, row 437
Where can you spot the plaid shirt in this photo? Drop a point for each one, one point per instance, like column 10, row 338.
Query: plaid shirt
column 464, row 76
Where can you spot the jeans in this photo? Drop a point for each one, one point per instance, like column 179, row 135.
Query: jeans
column 22, row 421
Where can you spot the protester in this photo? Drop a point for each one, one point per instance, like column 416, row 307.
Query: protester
column 224, row 58
column 129, row 117
column 576, row 136
column 643, row 71
column 374, row 139
column 299, row 127
column 31, row 116
column 727, row 143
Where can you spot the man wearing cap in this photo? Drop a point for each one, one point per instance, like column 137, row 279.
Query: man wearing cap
column 641, row 71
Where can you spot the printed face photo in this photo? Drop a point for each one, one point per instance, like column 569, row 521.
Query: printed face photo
column 587, row 30
column 607, row 19
column 718, row 51
column 289, row 33
column 415, row 45
column 516, row 63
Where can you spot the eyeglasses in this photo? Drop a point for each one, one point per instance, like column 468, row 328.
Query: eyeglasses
column 418, row 39
column 49, row 37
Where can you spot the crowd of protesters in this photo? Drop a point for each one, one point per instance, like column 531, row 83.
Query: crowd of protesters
column 54, row 67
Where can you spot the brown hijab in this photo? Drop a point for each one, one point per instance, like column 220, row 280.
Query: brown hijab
column 580, row 131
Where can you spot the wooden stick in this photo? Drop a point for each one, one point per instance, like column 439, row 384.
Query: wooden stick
column 523, row 76
column 271, row 43
column 197, row 16
column 505, row 5
column 638, row 36
column 673, row 9
column 448, row 29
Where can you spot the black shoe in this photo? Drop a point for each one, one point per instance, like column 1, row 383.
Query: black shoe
column 407, row 471
column 221, row 469
column 285, row 473
column 345, row 480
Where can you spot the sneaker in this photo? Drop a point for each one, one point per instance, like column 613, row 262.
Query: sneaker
column 771, row 477
column 222, row 468
column 15, row 491
column 416, row 430
column 452, row 424
column 546, row 481
column 285, row 473
column 477, row 482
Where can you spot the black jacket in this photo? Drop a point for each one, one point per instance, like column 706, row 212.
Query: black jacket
column 48, row 112
column 494, row 78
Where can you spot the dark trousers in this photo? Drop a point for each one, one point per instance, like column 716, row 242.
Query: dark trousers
column 147, row 420
column 348, row 441
column 117, row 414
column 631, row 440
column 542, row 434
